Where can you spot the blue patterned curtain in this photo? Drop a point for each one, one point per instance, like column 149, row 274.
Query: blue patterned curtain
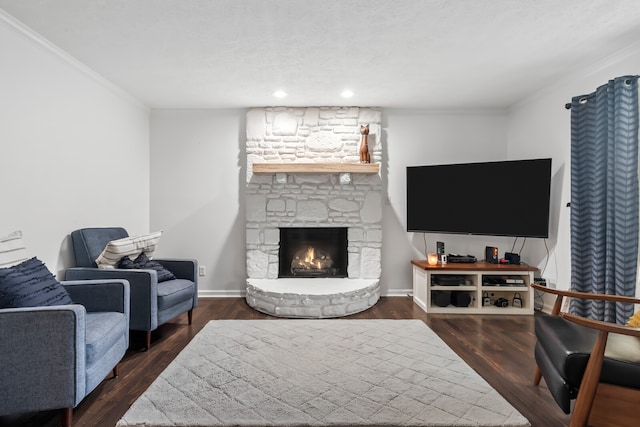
column 604, row 197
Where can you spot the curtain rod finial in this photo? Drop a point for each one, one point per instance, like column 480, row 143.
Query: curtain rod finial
column 567, row 106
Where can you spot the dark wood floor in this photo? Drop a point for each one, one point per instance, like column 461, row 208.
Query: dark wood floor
column 499, row 348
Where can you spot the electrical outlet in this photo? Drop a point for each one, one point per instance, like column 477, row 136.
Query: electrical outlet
column 202, row 270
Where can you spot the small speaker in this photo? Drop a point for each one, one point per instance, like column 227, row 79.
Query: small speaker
column 512, row 258
column 441, row 298
column 491, row 255
column 460, row 299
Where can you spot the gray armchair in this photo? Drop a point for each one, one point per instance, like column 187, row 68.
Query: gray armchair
column 152, row 303
column 52, row 357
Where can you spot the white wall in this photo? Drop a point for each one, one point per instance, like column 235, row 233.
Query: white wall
column 416, row 138
column 74, row 151
column 198, row 169
column 540, row 126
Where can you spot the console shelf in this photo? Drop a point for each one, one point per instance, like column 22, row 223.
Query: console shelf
column 469, row 283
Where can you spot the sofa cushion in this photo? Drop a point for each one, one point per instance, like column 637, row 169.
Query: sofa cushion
column 30, row 284
column 103, row 330
column 173, row 292
column 12, row 250
column 128, row 246
column 142, row 262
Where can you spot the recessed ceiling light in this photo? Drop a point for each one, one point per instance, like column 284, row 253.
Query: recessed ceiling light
column 346, row 93
column 280, row 94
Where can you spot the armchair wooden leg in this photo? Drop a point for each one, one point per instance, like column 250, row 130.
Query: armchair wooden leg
column 537, row 376
column 589, row 384
column 148, row 340
column 116, row 370
column 66, row 416
column 190, row 315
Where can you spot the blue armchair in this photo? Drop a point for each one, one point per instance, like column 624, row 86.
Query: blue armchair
column 152, row 303
column 52, row 357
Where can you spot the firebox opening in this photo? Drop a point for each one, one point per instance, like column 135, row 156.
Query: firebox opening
column 313, row 252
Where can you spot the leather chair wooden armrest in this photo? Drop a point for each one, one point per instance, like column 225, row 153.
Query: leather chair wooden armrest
column 584, row 410
column 597, row 402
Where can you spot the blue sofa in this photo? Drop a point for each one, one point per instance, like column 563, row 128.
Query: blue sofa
column 52, row 357
column 152, row 303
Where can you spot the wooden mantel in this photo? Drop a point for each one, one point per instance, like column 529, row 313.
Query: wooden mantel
column 316, row 168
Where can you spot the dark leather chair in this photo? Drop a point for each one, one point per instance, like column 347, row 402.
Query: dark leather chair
column 596, row 363
column 152, row 303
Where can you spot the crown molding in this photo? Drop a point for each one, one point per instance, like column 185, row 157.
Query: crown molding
column 585, row 71
column 12, row 24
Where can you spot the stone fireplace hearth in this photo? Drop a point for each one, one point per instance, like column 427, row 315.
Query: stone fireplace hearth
column 298, row 200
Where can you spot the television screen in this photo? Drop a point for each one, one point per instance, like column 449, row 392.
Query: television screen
column 504, row 198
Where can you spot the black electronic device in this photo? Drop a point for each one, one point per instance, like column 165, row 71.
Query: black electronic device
column 447, row 280
column 442, row 257
column 512, row 258
column 540, row 281
column 491, row 280
column 456, row 258
column 460, row 299
column 491, row 255
column 441, row 298
column 501, row 302
column 516, row 204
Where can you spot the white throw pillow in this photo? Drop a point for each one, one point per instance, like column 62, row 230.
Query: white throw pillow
column 12, row 250
column 128, row 246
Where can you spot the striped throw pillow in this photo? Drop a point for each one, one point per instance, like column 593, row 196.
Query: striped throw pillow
column 12, row 249
column 129, row 246
column 30, row 284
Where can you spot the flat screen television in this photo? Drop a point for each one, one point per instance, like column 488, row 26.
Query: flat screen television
column 503, row 198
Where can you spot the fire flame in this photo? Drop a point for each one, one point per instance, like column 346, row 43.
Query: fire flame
column 310, row 255
column 307, row 259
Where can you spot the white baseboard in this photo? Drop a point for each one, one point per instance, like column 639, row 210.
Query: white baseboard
column 204, row 293
column 398, row 293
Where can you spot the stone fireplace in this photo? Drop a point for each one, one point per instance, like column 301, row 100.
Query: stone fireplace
column 304, row 177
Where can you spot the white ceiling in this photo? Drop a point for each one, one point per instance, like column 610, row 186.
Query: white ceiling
column 437, row 54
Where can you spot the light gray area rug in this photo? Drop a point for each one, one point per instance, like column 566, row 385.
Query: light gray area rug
column 319, row 373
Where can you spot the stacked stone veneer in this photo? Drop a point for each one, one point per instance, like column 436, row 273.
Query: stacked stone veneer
column 312, row 135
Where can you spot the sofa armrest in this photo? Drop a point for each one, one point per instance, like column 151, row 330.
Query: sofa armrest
column 100, row 295
column 181, row 268
column 42, row 358
column 143, row 285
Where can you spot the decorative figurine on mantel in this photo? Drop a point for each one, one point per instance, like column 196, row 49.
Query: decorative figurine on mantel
column 364, row 146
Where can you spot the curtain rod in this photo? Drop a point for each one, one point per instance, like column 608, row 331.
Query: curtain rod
column 567, row 106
